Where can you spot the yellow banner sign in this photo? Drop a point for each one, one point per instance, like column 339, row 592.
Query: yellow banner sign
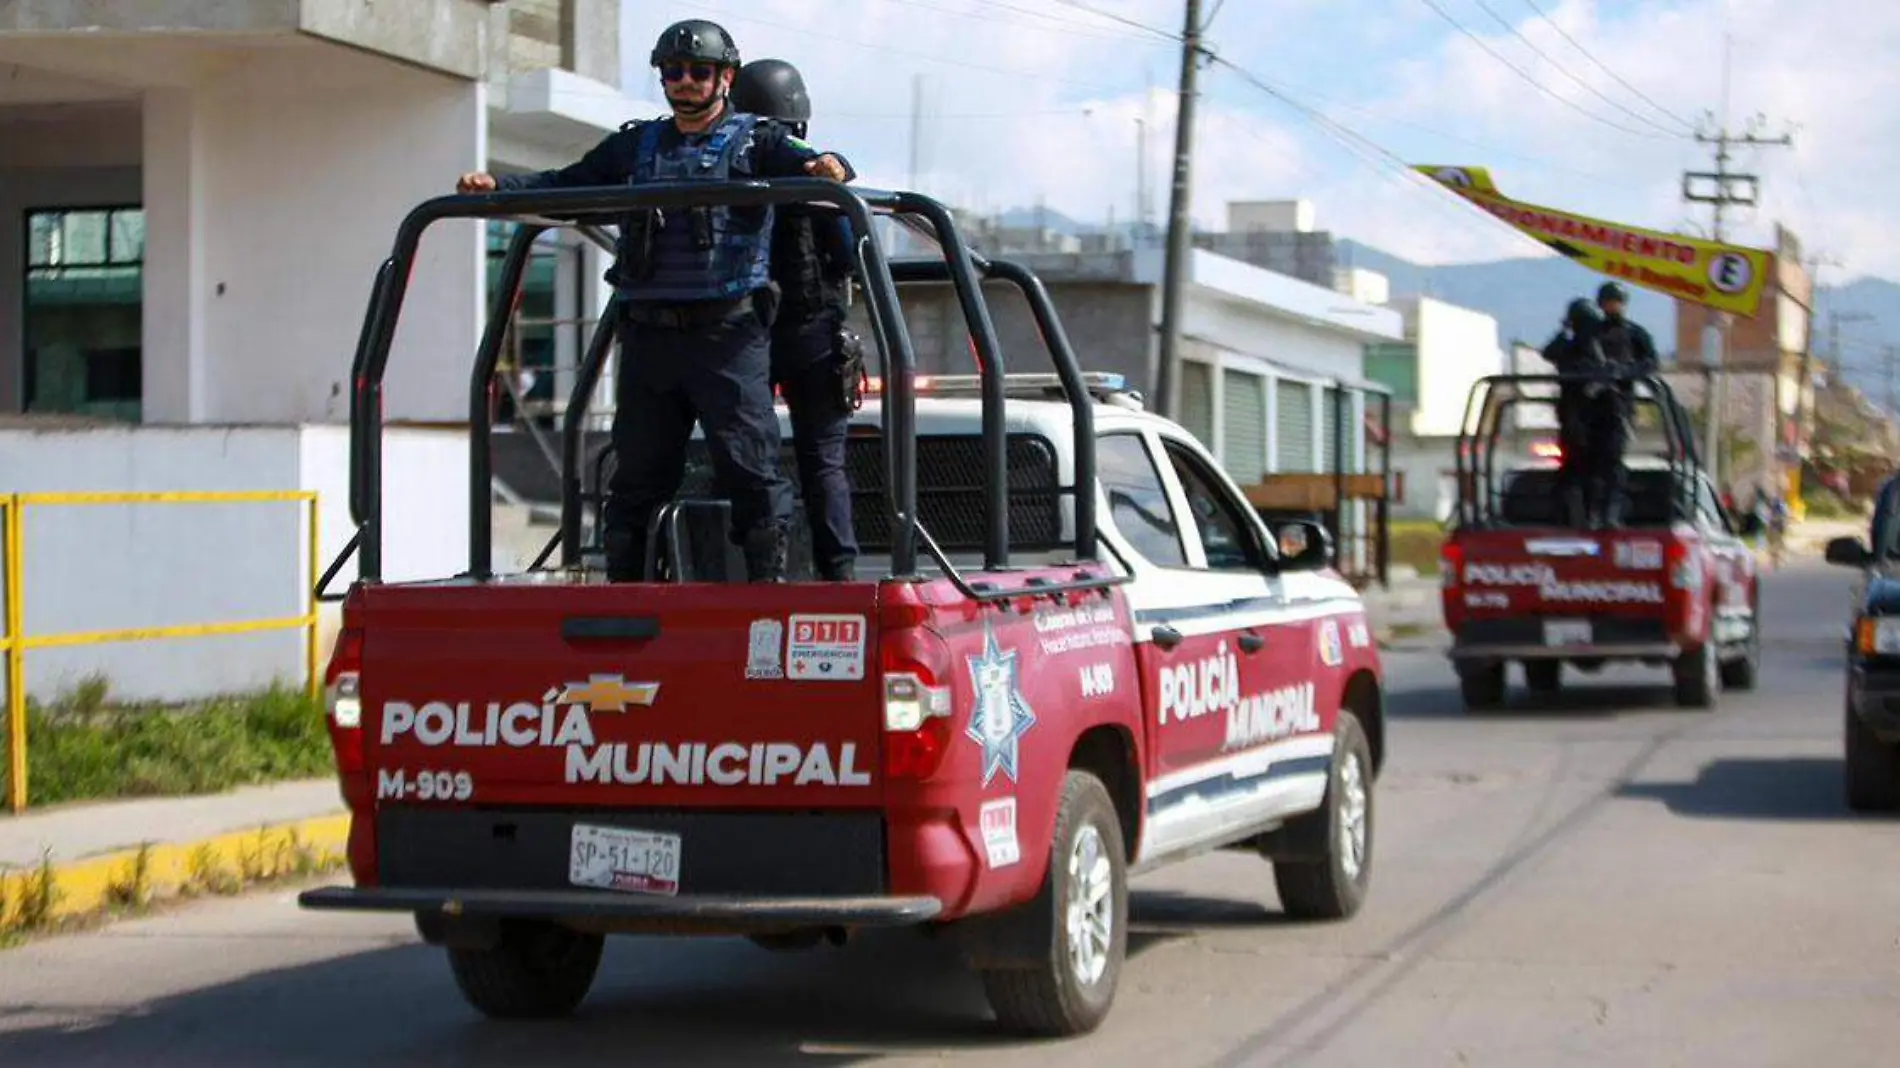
column 1725, row 277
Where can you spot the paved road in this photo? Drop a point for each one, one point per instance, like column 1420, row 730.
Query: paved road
column 1613, row 882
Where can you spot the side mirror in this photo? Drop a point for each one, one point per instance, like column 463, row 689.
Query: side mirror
column 1848, row 552
column 1748, row 524
column 1304, row 545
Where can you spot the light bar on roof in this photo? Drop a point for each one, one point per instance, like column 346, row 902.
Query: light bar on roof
column 1017, row 385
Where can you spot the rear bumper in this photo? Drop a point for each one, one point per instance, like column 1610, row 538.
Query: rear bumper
column 585, row 905
column 1620, row 651
column 1522, row 638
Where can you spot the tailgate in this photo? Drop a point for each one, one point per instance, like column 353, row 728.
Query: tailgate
column 622, row 697
column 1551, row 573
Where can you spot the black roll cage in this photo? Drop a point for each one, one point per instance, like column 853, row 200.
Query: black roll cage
column 536, row 212
column 1476, row 450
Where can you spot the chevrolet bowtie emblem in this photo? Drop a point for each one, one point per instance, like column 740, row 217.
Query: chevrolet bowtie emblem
column 609, row 693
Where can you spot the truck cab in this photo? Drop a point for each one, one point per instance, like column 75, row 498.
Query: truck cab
column 1674, row 585
column 1074, row 653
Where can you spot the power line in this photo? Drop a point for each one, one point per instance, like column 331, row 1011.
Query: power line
column 927, row 57
column 1124, row 20
column 1520, row 72
column 1043, row 20
column 1561, row 69
column 1381, row 159
column 1645, row 97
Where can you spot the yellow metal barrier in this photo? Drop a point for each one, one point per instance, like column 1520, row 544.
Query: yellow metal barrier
column 15, row 643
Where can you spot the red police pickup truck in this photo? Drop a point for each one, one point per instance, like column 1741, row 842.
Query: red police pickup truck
column 1674, row 584
column 1068, row 688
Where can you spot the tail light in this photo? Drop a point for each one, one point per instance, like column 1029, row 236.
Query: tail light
column 914, row 665
column 1682, row 569
column 1451, row 564
column 343, row 701
column 1451, row 568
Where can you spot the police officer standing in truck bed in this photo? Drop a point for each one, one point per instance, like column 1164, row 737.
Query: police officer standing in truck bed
column 816, row 362
column 699, row 303
column 1629, row 352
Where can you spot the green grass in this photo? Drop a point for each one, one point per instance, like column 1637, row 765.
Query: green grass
column 83, row 747
column 1415, row 543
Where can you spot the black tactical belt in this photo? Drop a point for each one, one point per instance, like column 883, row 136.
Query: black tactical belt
column 685, row 316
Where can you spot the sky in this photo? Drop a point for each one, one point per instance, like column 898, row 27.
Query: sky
column 1589, row 106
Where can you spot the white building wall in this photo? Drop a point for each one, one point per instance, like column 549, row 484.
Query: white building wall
column 1256, row 332
column 110, row 567
column 247, row 218
column 1456, row 347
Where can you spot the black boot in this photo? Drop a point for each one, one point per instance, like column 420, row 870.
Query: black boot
column 766, row 550
column 843, row 569
column 624, row 551
column 1575, row 514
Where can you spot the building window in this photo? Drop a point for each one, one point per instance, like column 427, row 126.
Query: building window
column 83, row 327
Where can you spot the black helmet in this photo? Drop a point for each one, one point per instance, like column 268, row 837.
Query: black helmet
column 1581, row 313
column 1612, row 291
column 772, row 88
column 696, row 40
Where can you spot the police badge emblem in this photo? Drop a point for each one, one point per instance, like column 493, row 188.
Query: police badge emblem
column 1000, row 716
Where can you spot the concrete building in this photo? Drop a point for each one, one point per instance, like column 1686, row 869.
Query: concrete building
column 1262, row 352
column 1430, row 372
column 1278, row 235
column 194, row 198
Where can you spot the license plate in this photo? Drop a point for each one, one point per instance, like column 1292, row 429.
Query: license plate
column 615, row 858
column 1566, row 632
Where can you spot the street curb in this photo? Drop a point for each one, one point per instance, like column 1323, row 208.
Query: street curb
column 155, row 870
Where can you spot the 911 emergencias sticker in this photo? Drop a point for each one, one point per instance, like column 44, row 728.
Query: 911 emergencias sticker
column 825, row 648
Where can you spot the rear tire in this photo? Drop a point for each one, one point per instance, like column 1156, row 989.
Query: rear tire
column 1544, row 676
column 1334, row 887
column 1698, row 677
column 1740, row 674
column 1481, row 686
column 1085, row 897
column 536, row 970
column 1873, row 769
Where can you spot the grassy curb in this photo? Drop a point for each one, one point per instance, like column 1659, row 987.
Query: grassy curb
column 54, row 897
column 83, row 747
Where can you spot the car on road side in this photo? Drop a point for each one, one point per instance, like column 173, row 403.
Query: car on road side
column 1871, row 729
column 1081, row 656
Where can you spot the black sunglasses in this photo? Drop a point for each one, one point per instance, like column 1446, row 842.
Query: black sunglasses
column 701, row 72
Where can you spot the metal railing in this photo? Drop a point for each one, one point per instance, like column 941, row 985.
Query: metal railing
column 15, row 642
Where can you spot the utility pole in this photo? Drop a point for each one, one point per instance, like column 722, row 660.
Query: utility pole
column 1180, row 229
column 1806, row 408
column 1725, row 187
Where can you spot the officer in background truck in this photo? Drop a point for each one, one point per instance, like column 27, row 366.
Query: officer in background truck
column 1574, row 351
column 1630, row 353
column 699, row 303
column 817, row 363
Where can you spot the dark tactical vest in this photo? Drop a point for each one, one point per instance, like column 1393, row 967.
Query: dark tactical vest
column 810, row 261
column 707, row 253
column 1618, row 347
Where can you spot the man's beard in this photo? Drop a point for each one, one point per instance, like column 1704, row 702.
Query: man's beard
column 696, row 107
